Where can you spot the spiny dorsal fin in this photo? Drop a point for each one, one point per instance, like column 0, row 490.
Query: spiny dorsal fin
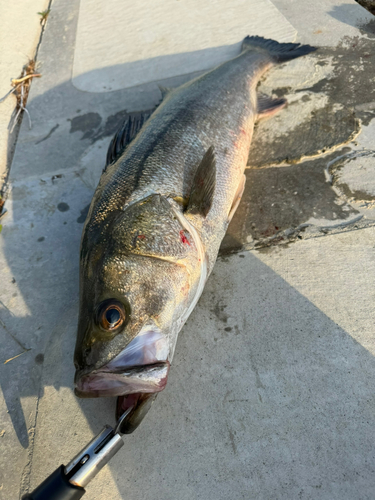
column 164, row 91
column 203, row 188
column 267, row 106
column 130, row 127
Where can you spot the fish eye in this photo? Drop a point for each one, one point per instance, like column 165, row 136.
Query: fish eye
column 111, row 315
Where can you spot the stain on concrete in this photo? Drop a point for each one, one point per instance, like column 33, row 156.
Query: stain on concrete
column 81, row 219
column 218, row 310
column 282, row 91
column 49, row 134
column 63, row 207
column 42, row 238
column 86, row 123
column 39, row 359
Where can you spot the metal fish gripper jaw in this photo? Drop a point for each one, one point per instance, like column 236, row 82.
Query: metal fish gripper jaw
column 68, row 482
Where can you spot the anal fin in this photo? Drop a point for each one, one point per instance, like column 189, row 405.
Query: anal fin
column 267, row 106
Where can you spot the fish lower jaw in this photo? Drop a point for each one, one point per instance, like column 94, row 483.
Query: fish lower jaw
column 141, row 379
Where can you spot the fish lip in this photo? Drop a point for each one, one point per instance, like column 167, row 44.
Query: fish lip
column 119, row 363
column 129, row 375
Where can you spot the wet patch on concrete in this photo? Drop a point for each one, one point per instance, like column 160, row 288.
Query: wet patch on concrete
column 369, row 27
column 349, row 93
column 354, row 176
column 81, row 219
column 301, row 181
column 323, row 131
column 111, row 125
column 277, row 201
column 87, row 123
column 39, row 359
column 63, row 207
column 114, row 122
column 351, row 82
column 219, row 311
column 90, row 124
column 353, row 179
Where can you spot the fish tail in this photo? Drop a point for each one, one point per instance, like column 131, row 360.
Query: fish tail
column 280, row 52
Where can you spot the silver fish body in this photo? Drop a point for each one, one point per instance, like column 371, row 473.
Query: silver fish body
column 156, row 223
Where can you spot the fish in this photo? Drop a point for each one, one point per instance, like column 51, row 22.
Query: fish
column 172, row 182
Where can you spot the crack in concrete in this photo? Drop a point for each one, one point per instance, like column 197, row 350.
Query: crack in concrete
column 19, row 343
column 26, row 473
column 49, row 134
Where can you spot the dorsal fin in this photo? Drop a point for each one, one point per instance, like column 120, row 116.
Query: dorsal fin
column 130, row 127
column 203, row 188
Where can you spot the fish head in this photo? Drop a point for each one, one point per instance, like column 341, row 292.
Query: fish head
column 138, row 272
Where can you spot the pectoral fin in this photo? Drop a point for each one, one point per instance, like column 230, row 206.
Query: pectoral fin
column 203, row 188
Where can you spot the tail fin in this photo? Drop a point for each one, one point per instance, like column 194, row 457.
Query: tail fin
column 280, row 52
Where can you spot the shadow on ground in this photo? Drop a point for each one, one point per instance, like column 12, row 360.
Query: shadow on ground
column 266, row 395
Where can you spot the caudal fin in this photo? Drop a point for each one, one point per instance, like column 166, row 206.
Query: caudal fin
column 280, row 52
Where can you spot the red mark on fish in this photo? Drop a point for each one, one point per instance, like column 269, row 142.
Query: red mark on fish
column 183, row 238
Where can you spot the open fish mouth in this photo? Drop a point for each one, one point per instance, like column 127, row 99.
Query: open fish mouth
column 142, row 367
column 138, row 379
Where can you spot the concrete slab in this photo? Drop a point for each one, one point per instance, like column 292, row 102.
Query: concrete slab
column 170, row 39
column 270, row 394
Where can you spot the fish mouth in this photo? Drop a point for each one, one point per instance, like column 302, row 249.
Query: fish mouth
column 135, row 376
column 133, row 380
column 142, row 367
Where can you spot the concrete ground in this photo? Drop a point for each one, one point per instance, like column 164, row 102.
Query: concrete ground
column 270, row 395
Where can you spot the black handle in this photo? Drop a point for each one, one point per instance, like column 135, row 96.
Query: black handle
column 56, row 487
